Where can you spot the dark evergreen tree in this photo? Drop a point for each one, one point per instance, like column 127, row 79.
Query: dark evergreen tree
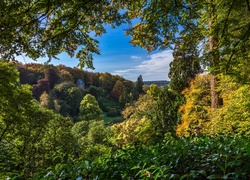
column 139, row 85
column 185, row 65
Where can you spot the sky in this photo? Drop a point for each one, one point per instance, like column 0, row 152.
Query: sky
column 119, row 57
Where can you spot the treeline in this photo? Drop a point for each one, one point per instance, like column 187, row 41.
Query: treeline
column 158, row 83
column 56, row 88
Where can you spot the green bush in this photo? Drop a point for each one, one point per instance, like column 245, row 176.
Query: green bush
column 189, row 158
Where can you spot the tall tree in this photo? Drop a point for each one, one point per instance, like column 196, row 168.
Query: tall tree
column 185, row 65
column 24, row 74
column 166, row 114
column 139, row 85
column 221, row 27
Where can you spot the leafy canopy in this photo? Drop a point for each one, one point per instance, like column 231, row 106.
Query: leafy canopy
column 162, row 23
column 47, row 28
column 89, row 109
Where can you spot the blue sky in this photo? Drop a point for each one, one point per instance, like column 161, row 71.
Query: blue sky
column 119, row 57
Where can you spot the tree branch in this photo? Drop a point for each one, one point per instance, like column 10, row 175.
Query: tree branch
column 228, row 14
column 236, row 44
column 248, row 5
column 4, row 131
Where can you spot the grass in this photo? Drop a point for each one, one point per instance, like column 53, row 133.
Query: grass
column 112, row 120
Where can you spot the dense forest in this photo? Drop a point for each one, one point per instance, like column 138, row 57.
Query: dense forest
column 58, row 122
column 62, row 89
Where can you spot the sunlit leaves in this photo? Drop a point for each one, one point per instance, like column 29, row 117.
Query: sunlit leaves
column 233, row 117
column 32, row 135
column 195, row 113
column 89, row 109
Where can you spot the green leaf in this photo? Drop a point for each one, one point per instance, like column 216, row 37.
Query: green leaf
column 215, row 176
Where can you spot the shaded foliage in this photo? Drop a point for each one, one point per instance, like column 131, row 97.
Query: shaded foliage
column 203, row 158
column 41, row 86
column 52, row 77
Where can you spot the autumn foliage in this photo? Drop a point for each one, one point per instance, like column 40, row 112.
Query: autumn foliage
column 195, row 113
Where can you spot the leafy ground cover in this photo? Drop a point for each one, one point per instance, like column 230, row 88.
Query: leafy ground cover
column 189, row 158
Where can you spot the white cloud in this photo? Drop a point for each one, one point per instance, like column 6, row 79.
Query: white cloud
column 155, row 67
column 135, row 57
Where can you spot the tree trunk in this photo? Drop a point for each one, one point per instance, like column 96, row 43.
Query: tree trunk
column 213, row 58
column 214, row 93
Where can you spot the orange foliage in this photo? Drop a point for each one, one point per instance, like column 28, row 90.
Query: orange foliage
column 196, row 111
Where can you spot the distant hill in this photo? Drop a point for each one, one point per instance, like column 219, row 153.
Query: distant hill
column 158, row 83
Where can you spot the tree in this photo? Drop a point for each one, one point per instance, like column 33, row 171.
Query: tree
column 41, row 86
column 233, row 117
column 129, row 86
column 166, row 113
column 68, row 98
column 139, row 85
column 117, row 90
column 93, row 90
column 73, row 100
column 97, row 132
column 125, row 99
column 93, row 138
column 195, row 113
column 106, row 81
column 46, row 100
column 52, row 77
column 138, row 127
column 185, row 65
column 24, row 74
column 66, row 76
column 62, row 107
column 60, row 91
column 77, row 74
column 80, row 129
column 11, row 93
column 154, row 90
column 150, row 118
column 221, row 28
column 58, row 138
column 89, row 109
column 27, row 130
column 47, row 28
